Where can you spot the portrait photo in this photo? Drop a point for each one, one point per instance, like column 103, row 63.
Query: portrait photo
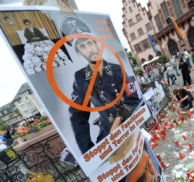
column 32, row 35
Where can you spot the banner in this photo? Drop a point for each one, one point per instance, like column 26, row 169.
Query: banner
column 152, row 43
column 178, row 31
column 76, row 66
column 130, row 163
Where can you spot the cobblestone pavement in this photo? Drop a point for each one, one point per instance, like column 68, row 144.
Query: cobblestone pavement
column 169, row 152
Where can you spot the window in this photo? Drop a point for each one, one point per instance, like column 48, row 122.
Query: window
column 140, row 31
column 165, row 9
column 148, row 27
column 31, row 103
column 130, row 9
column 177, row 8
column 26, row 112
column 23, row 107
column 138, row 17
column 131, row 22
column 145, row 44
column 137, row 48
column 133, row 36
column 158, row 22
column 19, row 101
column 5, row 111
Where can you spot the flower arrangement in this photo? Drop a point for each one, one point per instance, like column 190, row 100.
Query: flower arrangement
column 34, row 127
column 40, row 177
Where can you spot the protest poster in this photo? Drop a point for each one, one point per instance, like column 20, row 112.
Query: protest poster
column 130, row 163
column 76, row 66
column 159, row 92
column 151, row 98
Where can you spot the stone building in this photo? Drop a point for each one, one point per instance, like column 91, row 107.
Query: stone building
column 139, row 22
column 27, row 103
column 10, row 114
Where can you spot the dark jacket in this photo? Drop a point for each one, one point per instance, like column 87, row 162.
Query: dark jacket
column 109, row 86
column 184, row 93
column 184, row 68
column 37, row 33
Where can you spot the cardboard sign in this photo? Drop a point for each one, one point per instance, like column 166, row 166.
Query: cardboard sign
column 76, row 66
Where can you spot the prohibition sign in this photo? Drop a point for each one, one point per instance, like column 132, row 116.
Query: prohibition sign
column 60, row 94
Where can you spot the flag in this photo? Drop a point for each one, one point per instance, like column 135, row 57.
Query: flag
column 152, row 43
column 176, row 28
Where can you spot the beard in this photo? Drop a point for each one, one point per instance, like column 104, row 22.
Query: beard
column 89, row 58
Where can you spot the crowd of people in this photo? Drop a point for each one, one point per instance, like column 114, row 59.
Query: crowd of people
column 176, row 65
column 181, row 62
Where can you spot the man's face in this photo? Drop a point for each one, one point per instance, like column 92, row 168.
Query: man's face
column 192, row 52
column 28, row 24
column 89, row 50
column 146, row 172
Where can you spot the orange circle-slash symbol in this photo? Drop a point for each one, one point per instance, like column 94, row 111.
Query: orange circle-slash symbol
column 60, row 94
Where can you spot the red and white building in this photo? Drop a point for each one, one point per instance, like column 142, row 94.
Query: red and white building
column 138, row 22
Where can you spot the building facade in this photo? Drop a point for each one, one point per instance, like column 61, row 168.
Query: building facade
column 139, row 22
column 10, row 114
column 27, row 103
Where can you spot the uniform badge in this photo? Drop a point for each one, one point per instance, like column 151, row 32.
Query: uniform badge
column 108, row 70
column 111, row 118
column 74, row 97
column 88, row 75
column 130, row 88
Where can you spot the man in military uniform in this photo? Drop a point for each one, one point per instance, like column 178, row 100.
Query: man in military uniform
column 107, row 86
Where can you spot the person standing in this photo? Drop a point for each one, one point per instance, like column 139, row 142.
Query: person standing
column 192, row 55
column 167, row 76
column 170, row 73
column 173, row 63
column 185, row 72
column 187, row 57
column 179, row 56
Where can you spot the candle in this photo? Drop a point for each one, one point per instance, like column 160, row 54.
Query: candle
column 176, row 143
column 188, row 174
column 182, row 119
column 162, row 164
column 184, row 137
column 189, row 115
column 158, row 157
column 190, row 146
column 181, row 155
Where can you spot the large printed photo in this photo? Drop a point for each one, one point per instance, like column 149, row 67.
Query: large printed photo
column 84, row 81
column 134, row 161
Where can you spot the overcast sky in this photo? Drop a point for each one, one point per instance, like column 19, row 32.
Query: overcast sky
column 11, row 78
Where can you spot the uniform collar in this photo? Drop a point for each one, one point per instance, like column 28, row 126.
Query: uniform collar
column 106, row 68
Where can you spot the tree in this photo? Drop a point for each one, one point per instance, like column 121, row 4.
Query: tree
column 132, row 58
column 163, row 58
column 17, row 112
column 3, row 125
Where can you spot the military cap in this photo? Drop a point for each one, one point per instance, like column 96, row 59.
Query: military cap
column 72, row 25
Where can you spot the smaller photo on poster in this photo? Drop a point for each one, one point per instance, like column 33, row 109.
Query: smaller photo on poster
column 152, row 102
column 32, row 35
column 134, row 161
column 159, row 92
